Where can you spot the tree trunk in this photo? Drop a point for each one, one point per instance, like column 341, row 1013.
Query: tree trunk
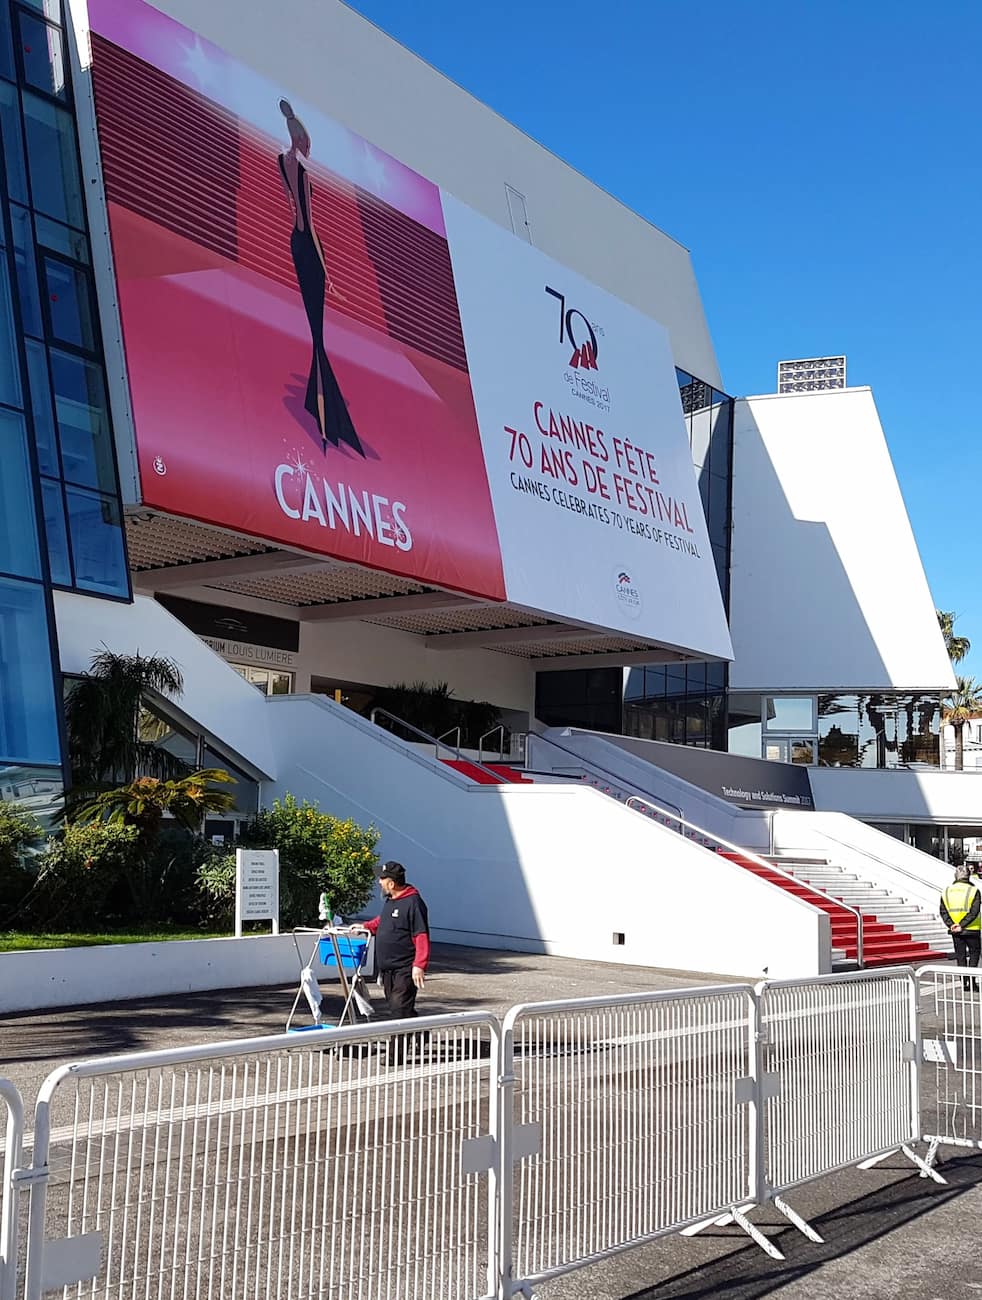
column 959, row 746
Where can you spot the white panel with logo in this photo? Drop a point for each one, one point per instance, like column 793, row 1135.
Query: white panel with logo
column 595, row 496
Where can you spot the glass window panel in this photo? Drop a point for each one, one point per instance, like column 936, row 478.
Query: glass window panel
column 50, row 8
column 245, row 791
column 61, row 239
column 634, row 686
column 715, row 677
column 56, row 533
column 38, row 790
column 803, row 751
column 83, row 422
column 96, row 532
column 654, row 680
column 28, row 708
column 19, row 552
column 721, row 437
column 675, row 679
column 789, row 713
column 27, row 280
column 701, row 433
column 722, row 566
column 69, row 304
column 55, row 184
column 744, row 730
column 281, row 683
column 7, row 68
column 718, row 514
column 9, row 362
column 43, row 55
column 695, row 678
column 13, row 142
column 44, row 423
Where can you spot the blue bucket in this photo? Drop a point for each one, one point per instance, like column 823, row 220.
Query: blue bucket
column 352, row 952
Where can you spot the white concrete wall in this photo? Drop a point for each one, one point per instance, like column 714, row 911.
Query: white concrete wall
column 710, row 813
column 827, row 590
column 56, row 977
column 553, row 868
column 214, row 694
column 899, row 795
column 903, row 871
column 549, row 868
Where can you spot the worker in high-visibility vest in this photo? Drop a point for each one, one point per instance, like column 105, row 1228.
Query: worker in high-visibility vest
column 961, row 911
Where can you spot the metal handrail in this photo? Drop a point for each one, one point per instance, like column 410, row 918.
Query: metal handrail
column 884, row 862
column 495, row 731
column 452, row 731
column 589, row 764
column 437, row 742
column 769, row 866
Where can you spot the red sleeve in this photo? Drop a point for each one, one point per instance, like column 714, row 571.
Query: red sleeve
column 422, row 944
column 372, row 925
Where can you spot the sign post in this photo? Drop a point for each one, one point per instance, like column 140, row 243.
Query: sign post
column 257, row 887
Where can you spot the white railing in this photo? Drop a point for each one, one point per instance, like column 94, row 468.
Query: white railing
column 462, row 1158
column 688, row 830
column 12, row 1155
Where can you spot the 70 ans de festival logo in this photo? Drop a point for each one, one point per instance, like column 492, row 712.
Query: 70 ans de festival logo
column 582, row 336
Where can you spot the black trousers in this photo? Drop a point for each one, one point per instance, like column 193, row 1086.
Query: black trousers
column 968, row 947
column 400, row 993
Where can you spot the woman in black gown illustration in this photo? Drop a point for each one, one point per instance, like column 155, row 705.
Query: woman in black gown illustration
column 324, row 400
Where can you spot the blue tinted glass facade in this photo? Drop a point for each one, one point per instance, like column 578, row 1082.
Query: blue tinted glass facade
column 60, row 516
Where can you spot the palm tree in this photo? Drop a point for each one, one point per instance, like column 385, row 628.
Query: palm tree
column 957, row 646
column 103, row 711
column 143, row 802
column 962, row 705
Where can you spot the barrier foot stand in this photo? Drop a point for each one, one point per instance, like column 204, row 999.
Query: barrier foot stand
column 738, row 1216
column 755, row 1235
column 925, row 1166
column 792, row 1216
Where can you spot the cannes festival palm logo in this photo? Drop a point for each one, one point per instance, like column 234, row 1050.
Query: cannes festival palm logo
column 576, row 331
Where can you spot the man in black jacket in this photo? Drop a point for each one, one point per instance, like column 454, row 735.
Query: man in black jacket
column 402, row 941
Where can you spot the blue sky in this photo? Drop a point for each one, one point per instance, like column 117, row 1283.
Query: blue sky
column 822, row 164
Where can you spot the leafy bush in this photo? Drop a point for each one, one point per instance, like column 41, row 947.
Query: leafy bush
column 85, row 877
column 318, row 854
column 19, row 832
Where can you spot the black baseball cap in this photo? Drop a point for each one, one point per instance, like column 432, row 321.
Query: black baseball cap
column 393, row 871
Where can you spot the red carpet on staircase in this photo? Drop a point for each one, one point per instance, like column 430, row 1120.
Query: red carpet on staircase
column 508, row 775
column 883, row 944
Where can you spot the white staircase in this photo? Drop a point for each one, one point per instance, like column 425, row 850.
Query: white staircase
column 906, row 917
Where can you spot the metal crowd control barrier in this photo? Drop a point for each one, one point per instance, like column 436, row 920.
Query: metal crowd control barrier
column 347, row 1164
column 951, row 1006
column 12, row 1155
column 631, row 1115
column 331, row 1164
column 839, row 1074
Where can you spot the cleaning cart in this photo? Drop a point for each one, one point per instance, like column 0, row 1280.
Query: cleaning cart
column 348, row 950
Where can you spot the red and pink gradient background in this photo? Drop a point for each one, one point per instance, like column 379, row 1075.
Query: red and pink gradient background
column 217, row 342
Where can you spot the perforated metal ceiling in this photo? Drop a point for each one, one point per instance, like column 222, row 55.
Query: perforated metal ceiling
column 158, row 541
column 166, row 543
column 328, row 583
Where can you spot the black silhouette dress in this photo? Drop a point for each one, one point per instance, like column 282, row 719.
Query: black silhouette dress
column 324, row 399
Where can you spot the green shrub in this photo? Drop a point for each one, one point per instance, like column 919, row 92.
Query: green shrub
column 19, row 832
column 85, row 877
column 318, row 854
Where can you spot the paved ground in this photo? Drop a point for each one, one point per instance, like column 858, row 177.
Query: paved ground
column 888, row 1232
